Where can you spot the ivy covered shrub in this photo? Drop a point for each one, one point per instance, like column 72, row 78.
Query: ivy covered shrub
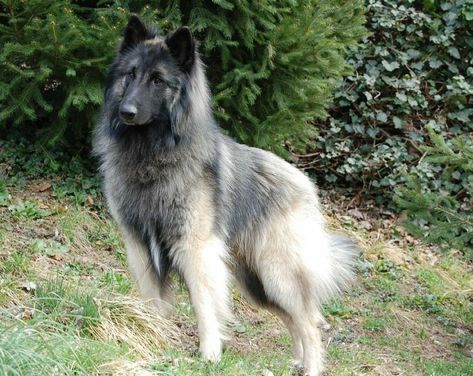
column 403, row 122
column 413, row 72
column 272, row 64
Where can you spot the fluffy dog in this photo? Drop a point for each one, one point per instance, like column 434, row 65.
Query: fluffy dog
column 188, row 198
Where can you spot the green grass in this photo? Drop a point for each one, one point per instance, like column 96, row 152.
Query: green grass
column 117, row 282
column 50, row 333
column 45, row 347
column 462, row 366
column 16, row 263
column 374, row 324
column 84, row 317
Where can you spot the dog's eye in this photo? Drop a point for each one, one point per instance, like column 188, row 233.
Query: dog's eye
column 132, row 74
column 156, row 79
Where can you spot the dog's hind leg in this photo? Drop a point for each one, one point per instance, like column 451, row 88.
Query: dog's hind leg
column 300, row 314
column 297, row 348
column 303, row 320
column 207, row 277
column 152, row 288
column 290, row 287
column 308, row 326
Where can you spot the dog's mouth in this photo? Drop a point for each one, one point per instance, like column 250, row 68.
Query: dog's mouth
column 128, row 122
column 134, row 122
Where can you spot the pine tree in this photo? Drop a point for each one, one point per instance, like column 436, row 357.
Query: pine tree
column 272, row 65
column 53, row 59
column 442, row 212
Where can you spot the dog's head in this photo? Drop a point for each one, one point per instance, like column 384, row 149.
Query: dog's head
column 149, row 76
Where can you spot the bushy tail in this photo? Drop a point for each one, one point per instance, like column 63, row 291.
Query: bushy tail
column 345, row 252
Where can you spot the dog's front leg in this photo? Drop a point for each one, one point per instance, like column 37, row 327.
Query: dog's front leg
column 207, row 277
column 154, row 288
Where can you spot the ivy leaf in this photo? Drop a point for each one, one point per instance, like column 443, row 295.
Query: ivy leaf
column 453, row 51
column 434, row 63
column 468, row 13
column 390, row 66
column 446, row 6
column 413, row 54
column 398, row 123
column 402, row 97
column 381, row 116
column 331, row 178
column 463, row 116
column 372, row 132
column 412, row 101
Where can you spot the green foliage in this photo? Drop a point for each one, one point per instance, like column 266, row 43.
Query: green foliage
column 27, row 209
column 460, row 367
column 53, row 58
column 413, row 71
column 441, row 211
column 374, row 324
column 51, row 334
column 272, row 64
column 17, row 264
column 49, row 247
column 70, row 176
column 4, row 195
column 428, row 303
column 413, row 87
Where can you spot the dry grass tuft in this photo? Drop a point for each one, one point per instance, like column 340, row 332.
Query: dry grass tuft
column 135, row 323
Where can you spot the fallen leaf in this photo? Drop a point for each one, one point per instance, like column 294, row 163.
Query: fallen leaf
column 56, row 257
column 356, row 213
column 60, row 209
column 366, row 225
column 41, row 187
column 89, row 201
column 24, row 314
column 240, row 328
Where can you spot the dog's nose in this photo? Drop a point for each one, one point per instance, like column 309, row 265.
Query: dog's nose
column 128, row 112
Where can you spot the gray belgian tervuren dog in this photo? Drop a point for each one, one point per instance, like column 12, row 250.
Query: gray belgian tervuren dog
column 188, row 198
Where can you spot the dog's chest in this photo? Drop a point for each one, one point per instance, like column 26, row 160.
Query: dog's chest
column 155, row 209
column 172, row 203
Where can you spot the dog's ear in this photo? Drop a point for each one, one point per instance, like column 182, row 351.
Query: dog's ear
column 135, row 32
column 182, row 47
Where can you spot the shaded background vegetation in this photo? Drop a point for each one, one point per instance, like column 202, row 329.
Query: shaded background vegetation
column 399, row 128
column 272, row 64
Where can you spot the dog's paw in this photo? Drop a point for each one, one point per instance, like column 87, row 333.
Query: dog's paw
column 296, row 364
column 211, row 352
column 313, row 371
column 212, row 357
